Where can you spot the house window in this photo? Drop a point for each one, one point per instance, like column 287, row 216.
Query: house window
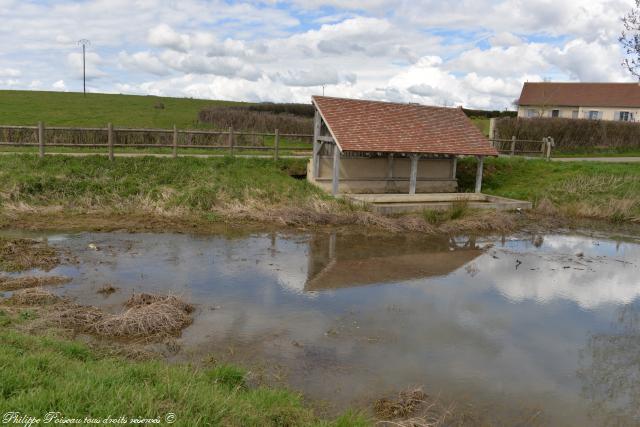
column 574, row 114
column 594, row 115
column 555, row 113
column 531, row 113
column 625, row 116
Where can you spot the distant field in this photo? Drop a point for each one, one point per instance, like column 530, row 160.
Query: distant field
column 482, row 123
column 73, row 109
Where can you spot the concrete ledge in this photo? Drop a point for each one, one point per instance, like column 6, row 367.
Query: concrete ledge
column 402, row 203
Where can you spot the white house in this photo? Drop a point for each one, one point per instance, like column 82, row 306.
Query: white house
column 595, row 101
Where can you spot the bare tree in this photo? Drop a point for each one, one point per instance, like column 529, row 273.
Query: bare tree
column 630, row 40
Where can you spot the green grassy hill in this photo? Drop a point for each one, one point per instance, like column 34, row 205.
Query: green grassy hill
column 19, row 107
column 96, row 109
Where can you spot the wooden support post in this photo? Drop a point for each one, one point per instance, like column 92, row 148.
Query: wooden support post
column 41, row 139
column 479, row 174
column 231, row 140
column 454, row 167
column 414, row 174
column 336, row 170
column 390, row 166
column 276, row 145
column 110, row 140
column 316, row 144
column 492, row 129
column 175, row 141
column 513, row 145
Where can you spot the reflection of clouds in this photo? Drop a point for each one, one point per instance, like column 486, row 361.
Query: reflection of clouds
column 558, row 273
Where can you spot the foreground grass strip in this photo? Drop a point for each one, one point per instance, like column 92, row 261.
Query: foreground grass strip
column 42, row 374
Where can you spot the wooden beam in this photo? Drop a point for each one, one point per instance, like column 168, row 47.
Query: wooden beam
column 454, row 167
column 336, row 170
column 479, row 174
column 325, row 138
column 316, row 147
column 414, row 174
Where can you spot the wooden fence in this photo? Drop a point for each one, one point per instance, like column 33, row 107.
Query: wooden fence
column 110, row 138
column 524, row 147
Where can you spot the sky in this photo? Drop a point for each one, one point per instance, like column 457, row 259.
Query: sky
column 475, row 53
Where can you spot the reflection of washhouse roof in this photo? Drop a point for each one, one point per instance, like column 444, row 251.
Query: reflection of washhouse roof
column 341, row 261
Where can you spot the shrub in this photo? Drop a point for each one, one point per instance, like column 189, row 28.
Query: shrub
column 248, row 119
column 571, row 134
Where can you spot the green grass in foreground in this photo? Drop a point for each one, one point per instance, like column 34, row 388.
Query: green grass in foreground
column 43, row 374
column 192, row 183
column 96, row 109
column 604, row 190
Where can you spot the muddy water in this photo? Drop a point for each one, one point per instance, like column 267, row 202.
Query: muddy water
column 539, row 329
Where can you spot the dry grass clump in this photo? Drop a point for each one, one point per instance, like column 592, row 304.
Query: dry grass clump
column 33, row 296
column 107, row 289
column 415, row 408
column 146, row 316
column 13, row 283
column 25, row 254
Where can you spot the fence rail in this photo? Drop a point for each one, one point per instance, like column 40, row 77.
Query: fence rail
column 524, row 147
column 110, row 138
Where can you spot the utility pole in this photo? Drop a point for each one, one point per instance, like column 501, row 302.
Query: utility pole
column 84, row 43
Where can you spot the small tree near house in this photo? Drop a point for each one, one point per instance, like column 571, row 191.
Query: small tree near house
column 630, row 39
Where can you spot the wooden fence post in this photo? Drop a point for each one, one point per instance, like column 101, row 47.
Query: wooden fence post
column 231, row 140
column 276, row 145
column 41, row 139
column 549, row 145
column 175, row 141
column 110, row 140
column 513, row 145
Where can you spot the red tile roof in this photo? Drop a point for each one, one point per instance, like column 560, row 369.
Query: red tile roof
column 375, row 126
column 580, row 94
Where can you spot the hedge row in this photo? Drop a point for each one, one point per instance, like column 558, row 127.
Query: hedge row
column 570, row 134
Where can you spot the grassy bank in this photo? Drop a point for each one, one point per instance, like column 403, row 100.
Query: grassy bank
column 194, row 193
column 608, row 191
column 42, row 374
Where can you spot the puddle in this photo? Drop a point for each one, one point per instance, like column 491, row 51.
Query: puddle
column 515, row 324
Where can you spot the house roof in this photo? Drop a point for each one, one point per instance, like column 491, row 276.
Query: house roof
column 610, row 95
column 374, row 126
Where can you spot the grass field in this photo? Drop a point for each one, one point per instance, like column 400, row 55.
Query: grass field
column 609, row 191
column 42, row 374
column 74, row 109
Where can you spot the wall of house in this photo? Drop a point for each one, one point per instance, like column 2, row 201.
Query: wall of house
column 371, row 175
column 582, row 112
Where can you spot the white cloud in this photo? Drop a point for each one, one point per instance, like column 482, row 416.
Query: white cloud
column 59, row 85
column 9, row 72
column 164, row 36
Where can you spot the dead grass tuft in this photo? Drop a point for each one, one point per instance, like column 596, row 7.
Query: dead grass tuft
column 26, row 254
column 107, row 289
column 546, row 207
column 415, row 408
column 33, row 296
column 146, row 316
column 406, row 404
column 13, row 283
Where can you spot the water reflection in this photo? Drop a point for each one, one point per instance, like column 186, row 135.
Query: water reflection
column 343, row 261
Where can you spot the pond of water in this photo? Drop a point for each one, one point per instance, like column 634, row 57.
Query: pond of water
column 514, row 324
